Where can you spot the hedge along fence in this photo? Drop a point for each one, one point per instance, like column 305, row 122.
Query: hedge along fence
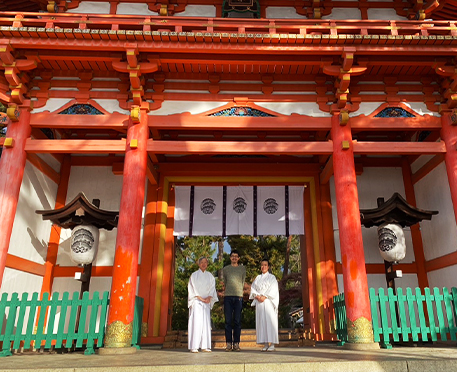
column 34, row 324
column 404, row 317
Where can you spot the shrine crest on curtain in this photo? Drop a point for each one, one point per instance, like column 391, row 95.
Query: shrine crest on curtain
column 238, row 210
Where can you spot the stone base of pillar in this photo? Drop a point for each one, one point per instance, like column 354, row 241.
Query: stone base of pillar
column 117, row 350
column 370, row 346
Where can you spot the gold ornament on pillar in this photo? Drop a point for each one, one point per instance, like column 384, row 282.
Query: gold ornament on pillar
column 360, row 331
column 13, row 113
column 163, row 10
column 135, row 114
column 119, row 334
column 52, row 7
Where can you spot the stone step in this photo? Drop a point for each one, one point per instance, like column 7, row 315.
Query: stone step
column 243, row 344
column 221, row 338
column 287, row 338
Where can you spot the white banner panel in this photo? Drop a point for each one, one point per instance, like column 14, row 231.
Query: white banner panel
column 182, row 209
column 208, row 207
column 296, row 214
column 271, row 209
column 240, row 210
column 208, row 210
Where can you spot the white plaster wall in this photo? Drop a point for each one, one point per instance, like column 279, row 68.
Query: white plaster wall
column 384, row 14
column 282, row 12
column 178, row 107
column 288, row 108
column 52, row 105
column 91, row 7
column 97, row 284
column 443, row 278
column 135, row 9
column 439, row 235
column 96, row 183
column 198, row 11
column 344, row 13
column 377, row 281
column 111, row 105
column 30, row 235
column 20, row 282
column 371, row 184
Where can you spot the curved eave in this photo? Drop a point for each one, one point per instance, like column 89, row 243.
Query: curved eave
column 68, row 217
column 395, row 210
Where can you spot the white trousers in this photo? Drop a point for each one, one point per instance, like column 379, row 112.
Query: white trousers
column 266, row 323
column 199, row 327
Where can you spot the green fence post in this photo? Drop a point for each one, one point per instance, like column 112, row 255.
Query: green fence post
column 137, row 318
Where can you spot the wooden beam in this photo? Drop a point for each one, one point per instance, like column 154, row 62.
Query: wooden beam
column 378, row 268
column 24, row 265
column 427, row 168
column 44, row 167
column 240, row 148
column 241, row 170
column 151, row 173
column 399, row 148
column 327, row 172
column 368, row 123
column 441, row 262
column 75, row 146
column 69, row 271
column 115, row 121
column 180, row 147
column 199, row 122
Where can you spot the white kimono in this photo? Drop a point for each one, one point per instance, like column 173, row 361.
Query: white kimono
column 200, row 284
column 266, row 312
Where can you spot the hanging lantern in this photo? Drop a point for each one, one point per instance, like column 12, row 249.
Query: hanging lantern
column 84, row 244
column 391, row 242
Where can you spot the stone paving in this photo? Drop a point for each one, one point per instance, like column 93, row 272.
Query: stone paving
column 325, row 357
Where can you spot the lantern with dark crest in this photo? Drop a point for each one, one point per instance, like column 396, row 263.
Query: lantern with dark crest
column 84, row 219
column 391, row 217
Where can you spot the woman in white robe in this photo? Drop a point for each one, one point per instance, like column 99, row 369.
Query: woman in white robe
column 201, row 298
column 265, row 296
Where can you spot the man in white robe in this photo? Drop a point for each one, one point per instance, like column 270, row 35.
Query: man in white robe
column 265, row 293
column 201, row 298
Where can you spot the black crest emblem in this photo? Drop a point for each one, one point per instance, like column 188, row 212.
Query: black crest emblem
column 387, row 239
column 270, row 206
column 208, row 206
column 83, row 240
column 239, row 205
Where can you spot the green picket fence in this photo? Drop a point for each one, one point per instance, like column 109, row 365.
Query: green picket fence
column 415, row 316
column 32, row 323
column 340, row 318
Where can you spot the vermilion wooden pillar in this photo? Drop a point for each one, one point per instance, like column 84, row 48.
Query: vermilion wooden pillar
column 449, row 135
column 308, row 269
column 123, row 288
column 147, row 255
column 54, row 238
column 358, row 312
column 12, row 164
column 416, row 235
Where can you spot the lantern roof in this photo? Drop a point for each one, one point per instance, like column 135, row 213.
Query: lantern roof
column 395, row 210
column 80, row 211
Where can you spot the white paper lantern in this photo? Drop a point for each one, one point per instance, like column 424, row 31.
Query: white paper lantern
column 84, row 244
column 391, row 242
